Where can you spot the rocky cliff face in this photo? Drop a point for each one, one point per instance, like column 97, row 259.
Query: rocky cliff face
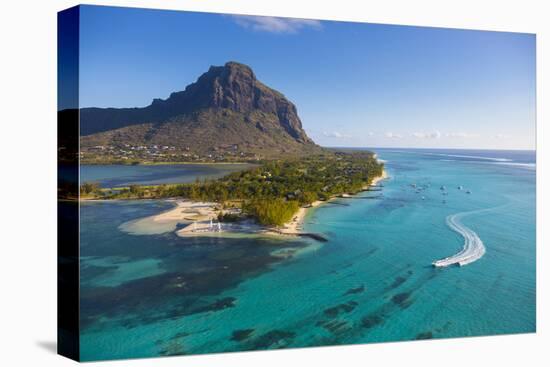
column 229, row 94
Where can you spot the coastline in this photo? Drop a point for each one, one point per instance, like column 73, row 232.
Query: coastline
column 377, row 179
column 184, row 212
column 295, row 226
column 201, row 219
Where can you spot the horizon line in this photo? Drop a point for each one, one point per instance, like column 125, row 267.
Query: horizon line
column 425, row 148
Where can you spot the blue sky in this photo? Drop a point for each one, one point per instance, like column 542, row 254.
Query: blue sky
column 354, row 84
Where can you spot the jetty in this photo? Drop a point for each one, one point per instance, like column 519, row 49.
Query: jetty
column 315, row 236
column 380, row 196
column 473, row 246
column 374, row 188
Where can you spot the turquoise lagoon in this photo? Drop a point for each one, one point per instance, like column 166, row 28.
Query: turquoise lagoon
column 144, row 296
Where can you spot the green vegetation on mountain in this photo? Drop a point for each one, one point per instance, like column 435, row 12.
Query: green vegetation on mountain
column 226, row 115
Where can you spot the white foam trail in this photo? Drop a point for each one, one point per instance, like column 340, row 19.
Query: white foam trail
column 473, row 246
column 471, row 157
column 531, row 166
column 478, row 157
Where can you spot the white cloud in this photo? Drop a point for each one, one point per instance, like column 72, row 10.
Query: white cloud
column 275, row 24
column 336, row 134
column 427, row 135
column 392, row 135
column 371, row 133
column 436, row 135
column 461, row 135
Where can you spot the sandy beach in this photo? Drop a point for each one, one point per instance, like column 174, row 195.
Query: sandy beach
column 184, row 212
column 294, row 227
column 376, row 180
column 201, row 219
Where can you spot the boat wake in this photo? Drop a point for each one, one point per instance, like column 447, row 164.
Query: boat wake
column 473, row 246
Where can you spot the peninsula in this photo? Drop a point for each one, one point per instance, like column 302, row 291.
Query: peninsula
column 272, row 198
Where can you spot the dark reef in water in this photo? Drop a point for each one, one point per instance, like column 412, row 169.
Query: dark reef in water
column 397, row 282
column 240, row 335
column 274, row 338
column 341, row 308
column 424, row 335
column 402, row 299
column 359, row 289
column 337, row 326
column 180, row 335
column 333, row 326
column 218, row 305
column 371, row 321
column 194, row 277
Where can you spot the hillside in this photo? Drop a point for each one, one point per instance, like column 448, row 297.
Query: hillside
column 226, row 115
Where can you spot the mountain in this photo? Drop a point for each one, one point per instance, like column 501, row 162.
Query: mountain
column 226, row 113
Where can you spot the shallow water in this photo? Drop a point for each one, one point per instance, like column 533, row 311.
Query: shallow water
column 371, row 282
column 123, row 175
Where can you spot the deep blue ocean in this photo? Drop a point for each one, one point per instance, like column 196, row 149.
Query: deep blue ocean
column 144, row 296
